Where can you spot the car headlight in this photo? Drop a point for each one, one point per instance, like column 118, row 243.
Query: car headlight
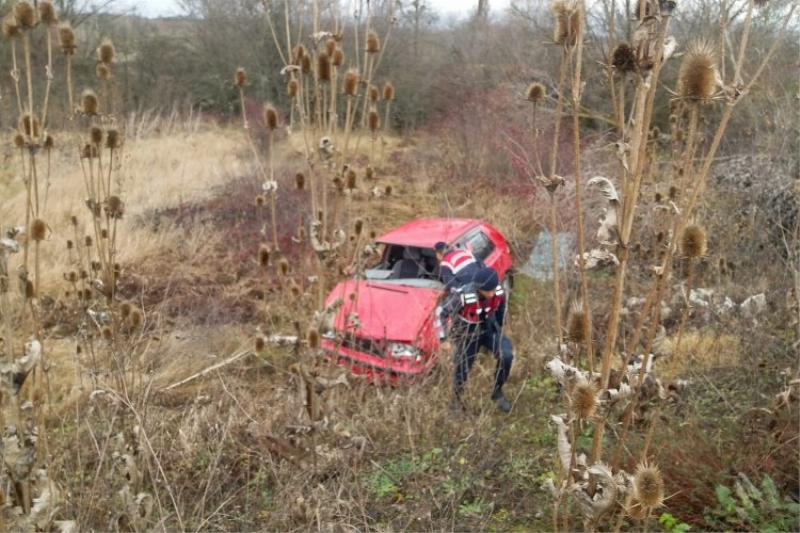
column 400, row 351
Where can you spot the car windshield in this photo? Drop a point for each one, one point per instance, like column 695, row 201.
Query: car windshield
column 407, row 265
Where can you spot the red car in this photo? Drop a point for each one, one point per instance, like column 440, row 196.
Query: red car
column 384, row 326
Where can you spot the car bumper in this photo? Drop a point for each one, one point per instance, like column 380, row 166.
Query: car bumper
column 376, row 369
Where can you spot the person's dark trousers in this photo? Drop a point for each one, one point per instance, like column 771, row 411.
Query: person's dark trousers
column 467, row 345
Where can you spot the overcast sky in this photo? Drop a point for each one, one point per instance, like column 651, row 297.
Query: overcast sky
column 163, row 8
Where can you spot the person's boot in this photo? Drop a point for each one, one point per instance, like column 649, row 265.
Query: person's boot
column 500, row 399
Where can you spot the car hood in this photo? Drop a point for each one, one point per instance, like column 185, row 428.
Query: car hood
column 384, row 310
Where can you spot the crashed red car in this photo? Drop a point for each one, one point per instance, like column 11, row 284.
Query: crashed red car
column 383, row 327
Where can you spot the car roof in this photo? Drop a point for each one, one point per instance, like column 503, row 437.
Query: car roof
column 425, row 232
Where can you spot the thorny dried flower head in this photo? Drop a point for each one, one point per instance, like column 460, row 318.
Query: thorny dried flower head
column 103, row 71
column 330, row 46
column 324, row 67
column 374, row 94
column 260, row 200
column 535, row 93
column 90, row 104
column 305, row 64
column 66, row 38
column 350, row 84
column 106, row 51
column 39, row 230
column 567, row 23
column 47, row 13
column 693, row 242
column 313, row 338
column 648, row 485
column 283, row 266
column 270, row 116
column 10, row 27
column 292, row 88
column 240, row 77
column 373, row 43
column 583, row 400
column 114, row 207
column 19, row 140
column 113, row 139
column 89, row 151
column 29, row 125
column 358, row 227
column 374, row 121
column 95, row 135
column 263, row 255
column 298, row 54
column 25, row 15
column 388, row 91
column 623, row 58
column 350, row 179
column 698, row 72
column 337, row 57
column 576, row 323
column 300, row 181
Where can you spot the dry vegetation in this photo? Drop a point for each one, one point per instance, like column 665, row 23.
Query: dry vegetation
column 158, row 306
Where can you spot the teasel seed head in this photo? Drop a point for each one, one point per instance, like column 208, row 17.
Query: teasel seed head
column 87, row 294
column 90, row 104
column 283, row 266
column 350, row 179
column 295, row 289
column 337, row 58
column 313, row 338
column 260, row 200
column 10, row 27
column 369, row 173
column 263, row 255
column 25, row 15
column 338, row 183
column 658, row 198
column 330, row 46
column 106, row 333
column 623, row 58
column 583, row 400
column 71, row 276
column 673, row 192
column 387, row 190
column 305, row 64
column 374, row 94
column 114, row 206
column 301, row 233
column 240, row 77
column 49, row 143
column 388, row 91
column 358, row 226
column 19, row 140
column 373, row 43
column 88, row 241
column 73, row 220
column 350, row 85
column 95, row 135
column 104, row 233
column 298, row 54
column 568, row 20
column 374, row 121
column 113, row 139
column 39, row 230
column 300, row 181
column 124, row 310
column 66, row 38
column 136, row 318
column 656, row 132
column 648, row 485
column 83, row 274
column 29, row 125
column 324, row 67
column 535, row 93
column 693, row 241
column 47, row 13
column 103, row 71
column 89, row 151
column 576, row 322
column 106, row 51
column 679, row 135
column 292, row 88
column 259, row 343
column 70, row 244
column 30, row 290
column 697, row 74
column 270, row 117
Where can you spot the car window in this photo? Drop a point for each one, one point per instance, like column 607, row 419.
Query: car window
column 479, row 244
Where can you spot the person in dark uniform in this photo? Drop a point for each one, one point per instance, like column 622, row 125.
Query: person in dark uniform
column 476, row 311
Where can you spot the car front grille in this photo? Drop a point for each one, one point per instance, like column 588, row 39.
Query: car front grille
column 362, row 344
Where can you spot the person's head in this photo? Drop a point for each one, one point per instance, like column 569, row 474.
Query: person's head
column 486, row 280
column 439, row 249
